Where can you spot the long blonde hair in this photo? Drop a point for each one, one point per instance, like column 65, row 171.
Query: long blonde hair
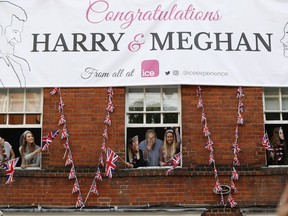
column 166, row 154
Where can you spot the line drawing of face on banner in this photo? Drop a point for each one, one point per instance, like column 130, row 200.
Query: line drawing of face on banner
column 284, row 40
column 13, row 68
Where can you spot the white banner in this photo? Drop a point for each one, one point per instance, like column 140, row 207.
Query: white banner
column 86, row 43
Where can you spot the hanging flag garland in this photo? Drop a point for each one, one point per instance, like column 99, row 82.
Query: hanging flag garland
column 235, row 147
column 68, row 153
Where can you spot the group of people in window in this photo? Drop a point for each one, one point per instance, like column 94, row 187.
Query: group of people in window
column 153, row 151
column 29, row 151
column 278, row 156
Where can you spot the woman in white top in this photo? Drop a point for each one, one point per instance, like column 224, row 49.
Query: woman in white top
column 29, row 151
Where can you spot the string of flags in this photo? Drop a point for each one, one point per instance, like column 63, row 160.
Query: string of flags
column 210, row 146
column 68, row 157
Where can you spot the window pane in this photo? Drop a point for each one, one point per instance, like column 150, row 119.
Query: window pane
column 285, row 116
column 272, row 116
column 3, row 119
column 153, row 118
column 15, row 119
column 284, row 103
column 16, row 100
column 135, row 118
column 153, row 99
column 3, row 100
column 33, row 100
column 271, row 91
column 136, row 99
column 272, row 104
column 170, row 118
column 284, row 91
column 170, row 99
column 32, row 119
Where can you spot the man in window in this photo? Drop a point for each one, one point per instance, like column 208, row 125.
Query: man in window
column 13, row 69
column 151, row 148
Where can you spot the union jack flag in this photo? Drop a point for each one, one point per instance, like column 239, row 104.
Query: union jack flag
column 236, row 132
column 236, row 148
column 240, row 119
column 110, row 107
column 94, row 188
column 54, row 91
column 233, row 187
column 69, row 159
column 10, row 168
column 64, row 133
column 218, row 187
column 76, row 187
column 110, row 92
column 66, row 144
column 62, row 120
column 209, row 145
column 61, row 105
column 107, row 119
column 236, row 161
column 103, row 146
column 265, row 142
column 105, row 133
column 240, row 92
column 79, row 202
column 235, row 175
column 98, row 175
column 176, row 161
column 240, row 106
column 47, row 140
column 203, row 117
column 200, row 103
column 211, row 158
column 198, row 91
column 72, row 173
column 215, row 172
column 231, row 201
column 206, row 131
column 111, row 161
column 101, row 160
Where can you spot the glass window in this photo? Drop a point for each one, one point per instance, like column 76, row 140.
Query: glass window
column 20, row 110
column 156, row 108
column 276, row 116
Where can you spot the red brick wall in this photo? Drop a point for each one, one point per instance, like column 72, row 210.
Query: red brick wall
column 191, row 185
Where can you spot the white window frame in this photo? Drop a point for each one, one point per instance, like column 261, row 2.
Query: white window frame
column 156, row 125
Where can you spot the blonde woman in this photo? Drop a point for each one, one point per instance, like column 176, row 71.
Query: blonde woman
column 29, row 151
column 171, row 146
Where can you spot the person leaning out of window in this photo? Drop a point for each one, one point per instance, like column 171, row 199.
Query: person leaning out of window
column 135, row 155
column 6, row 152
column 151, row 147
column 29, row 151
column 279, row 154
column 171, row 146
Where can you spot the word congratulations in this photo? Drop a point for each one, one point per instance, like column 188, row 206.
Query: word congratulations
column 99, row 11
column 99, row 42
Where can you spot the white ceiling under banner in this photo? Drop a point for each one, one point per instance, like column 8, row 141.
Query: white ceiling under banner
column 96, row 43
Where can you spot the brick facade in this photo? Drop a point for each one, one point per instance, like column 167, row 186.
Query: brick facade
column 190, row 185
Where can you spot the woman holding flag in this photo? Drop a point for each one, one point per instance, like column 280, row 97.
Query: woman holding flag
column 29, row 151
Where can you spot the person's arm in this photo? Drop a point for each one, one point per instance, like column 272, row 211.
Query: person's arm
column 162, row 162
column 35, row 153
column 141, row 161
column 12, row 154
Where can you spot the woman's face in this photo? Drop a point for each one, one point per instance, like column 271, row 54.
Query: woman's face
column 135, row 146
column 169, row 138
column 281, row 134
column 29, row 138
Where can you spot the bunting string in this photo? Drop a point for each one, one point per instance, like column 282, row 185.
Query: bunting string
column 68, row 157
column 210, row 146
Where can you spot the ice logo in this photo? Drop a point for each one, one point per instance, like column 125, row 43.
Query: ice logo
column 149, row 68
